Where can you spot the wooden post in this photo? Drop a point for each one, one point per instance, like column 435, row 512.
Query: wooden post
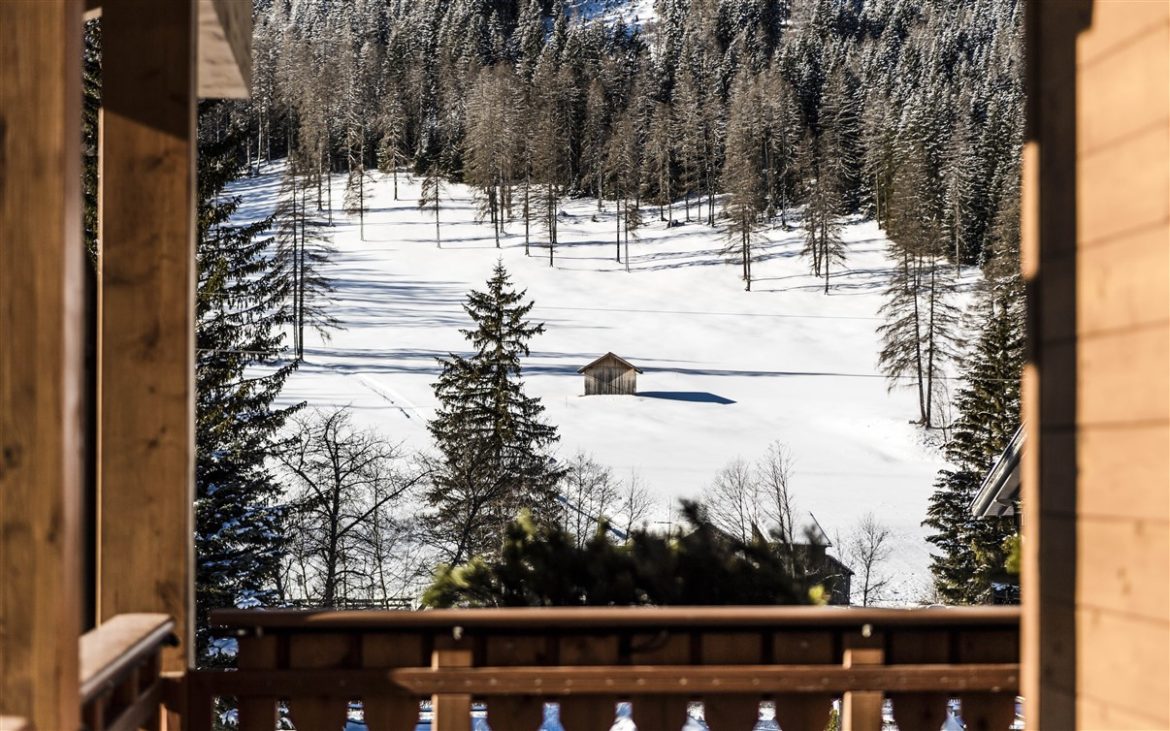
column 41, row 288
column 147, row 301
column 862, row 711
column 452, row 711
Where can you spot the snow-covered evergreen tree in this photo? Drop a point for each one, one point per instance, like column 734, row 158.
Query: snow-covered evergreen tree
column 492, row 438
column 238, row 531
column 971, row 550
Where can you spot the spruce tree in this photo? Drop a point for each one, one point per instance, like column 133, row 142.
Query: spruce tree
column 971, row 549
column 238, row 521
column 493, row 441
column 743, row 174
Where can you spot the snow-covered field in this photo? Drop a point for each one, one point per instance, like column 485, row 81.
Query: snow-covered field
column 726, row 371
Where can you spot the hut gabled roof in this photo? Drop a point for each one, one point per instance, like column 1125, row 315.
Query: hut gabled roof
column 619, row 359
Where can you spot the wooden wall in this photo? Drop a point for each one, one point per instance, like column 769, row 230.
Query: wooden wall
column 1097, row 386
column 610, row 378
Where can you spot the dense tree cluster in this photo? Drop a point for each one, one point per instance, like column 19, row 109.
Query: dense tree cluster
column 840, row 106
column 696, row 564
column 802, row 112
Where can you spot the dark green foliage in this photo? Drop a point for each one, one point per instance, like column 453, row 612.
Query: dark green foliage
column 542, row 565
column 91, row 102
column 493, row 441
column 971, row 551
column 238, row 540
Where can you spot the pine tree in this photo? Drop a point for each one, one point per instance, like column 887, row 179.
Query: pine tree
column 919, row 335
column 300, row 258
column 490, row 144
column 238, row 521
column 743, row 174
column 491, row 436
column 430, row 195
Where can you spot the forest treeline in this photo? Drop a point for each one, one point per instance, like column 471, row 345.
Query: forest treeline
column 743, row 114
column 737, row 114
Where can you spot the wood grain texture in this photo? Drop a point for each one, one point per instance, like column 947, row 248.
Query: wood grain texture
column 117, row 645
column 225, row 48
column 1097, row 399
column 450, row 703
column 41, row 287
column 147, row 360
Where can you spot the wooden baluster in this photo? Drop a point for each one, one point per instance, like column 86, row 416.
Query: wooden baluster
column 660, row 712
column 198, row 707
column 731, row 712
column 392, row 710
column 257, row 713
column 809, row 711
column 796, row 647
column 523, row 712
column 862, row 710
column 318, row 712
column 920, row 711
column 988, row 711
column 452, row 711
column 924, row 711
column 319, row 652
column 588, row 713
column 515, row 713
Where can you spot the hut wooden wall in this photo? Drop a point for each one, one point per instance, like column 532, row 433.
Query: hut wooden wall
column 610, row 378
column 1097, row 388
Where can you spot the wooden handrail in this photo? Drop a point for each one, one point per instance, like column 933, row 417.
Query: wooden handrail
column 593, row 618
column 116, row 647
column 120, row 684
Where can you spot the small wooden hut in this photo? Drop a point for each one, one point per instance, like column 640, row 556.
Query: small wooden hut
column 611, row 374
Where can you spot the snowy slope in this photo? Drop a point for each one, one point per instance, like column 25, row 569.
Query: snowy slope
column 726, row 371
column 633, row 12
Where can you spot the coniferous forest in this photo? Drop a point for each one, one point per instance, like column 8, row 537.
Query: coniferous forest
column 740, row 115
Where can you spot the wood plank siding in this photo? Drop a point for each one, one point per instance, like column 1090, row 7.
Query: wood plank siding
column 1097, row 387
column 610, row 375
column 41, row 369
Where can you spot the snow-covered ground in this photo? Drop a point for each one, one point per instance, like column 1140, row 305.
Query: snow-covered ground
column 726, row 371
column 634, row 12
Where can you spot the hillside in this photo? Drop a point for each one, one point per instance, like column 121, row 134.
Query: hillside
column 727, row 372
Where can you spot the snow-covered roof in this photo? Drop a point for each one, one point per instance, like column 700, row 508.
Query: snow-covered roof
column 1000, row 489
column 611, row 356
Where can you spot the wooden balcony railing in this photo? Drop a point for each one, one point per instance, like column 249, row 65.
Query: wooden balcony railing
column 314, row 664
column 121, row 687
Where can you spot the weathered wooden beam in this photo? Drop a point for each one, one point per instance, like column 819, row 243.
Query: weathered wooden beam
column 147, row 301
column 41, row 369
column 225, row 48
